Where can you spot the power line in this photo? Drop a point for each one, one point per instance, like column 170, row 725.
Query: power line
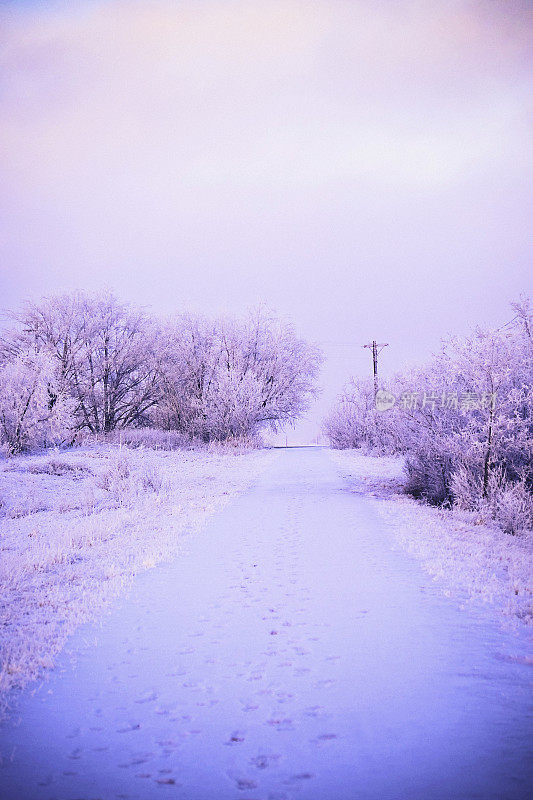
column 336, row 344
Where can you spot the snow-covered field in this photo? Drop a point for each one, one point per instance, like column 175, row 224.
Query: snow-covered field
column 466, row 557
column 77, row 525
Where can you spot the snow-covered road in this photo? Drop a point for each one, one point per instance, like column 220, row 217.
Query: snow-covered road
column 290, row 651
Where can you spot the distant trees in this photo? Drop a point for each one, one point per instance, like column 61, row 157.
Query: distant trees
column 464, row 423
column 229, row 378
column 355, row 422
column 119, row 368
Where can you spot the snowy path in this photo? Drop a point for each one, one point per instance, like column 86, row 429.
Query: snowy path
column 289, row 652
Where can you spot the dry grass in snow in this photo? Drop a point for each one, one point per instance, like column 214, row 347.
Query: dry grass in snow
column 76, row 526
column 465, row 553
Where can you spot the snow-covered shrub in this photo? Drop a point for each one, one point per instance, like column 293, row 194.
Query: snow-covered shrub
column 116, row 478
column 56, row 467
column 152, row 438
column 34, row 410
column 466, row 489
column 509, row 503
column 138, row 438
column 355, row 422
column 151, row 479
column 235, row 444
column 512, row 507
column 428, row 476
column 126, row 479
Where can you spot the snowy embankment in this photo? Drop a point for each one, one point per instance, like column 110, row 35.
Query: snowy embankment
column 77, row 525
column 467, row 557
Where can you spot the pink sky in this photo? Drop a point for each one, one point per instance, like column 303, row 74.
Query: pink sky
column 364, row 167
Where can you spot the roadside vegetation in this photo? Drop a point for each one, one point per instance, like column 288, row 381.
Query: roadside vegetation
column 74, row 365
column 463, row 424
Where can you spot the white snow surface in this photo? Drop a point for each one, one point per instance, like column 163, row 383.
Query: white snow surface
column 290, row 650
column 77, row 525
column 467, row 558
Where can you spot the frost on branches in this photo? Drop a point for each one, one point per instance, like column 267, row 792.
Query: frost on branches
column 99, row 365
column 464, row 423
column 34, row 409
column 226, row 378
column 103, row 350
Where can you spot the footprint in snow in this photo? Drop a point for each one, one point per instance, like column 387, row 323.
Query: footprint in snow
column 302, row 776
column 133, row 763
column 147, row 698
column 283, row 697
column 128, row 728
column 281, row 724
column 264, row 761
column 313, row 711
column 245, row 783
column 236, row 738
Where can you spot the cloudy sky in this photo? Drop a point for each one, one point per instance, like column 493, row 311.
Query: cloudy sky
column 362, row 166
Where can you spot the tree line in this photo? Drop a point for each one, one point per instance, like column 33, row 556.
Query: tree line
column 464, row 422
column 78, row 363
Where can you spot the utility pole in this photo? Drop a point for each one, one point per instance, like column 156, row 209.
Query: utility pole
column 376, row 350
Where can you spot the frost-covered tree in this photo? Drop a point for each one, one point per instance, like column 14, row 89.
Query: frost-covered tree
column 105, row 354
column 34, row 410
column 211, row 380
column 481, row 418
column 227, row 378
column 464, row 422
